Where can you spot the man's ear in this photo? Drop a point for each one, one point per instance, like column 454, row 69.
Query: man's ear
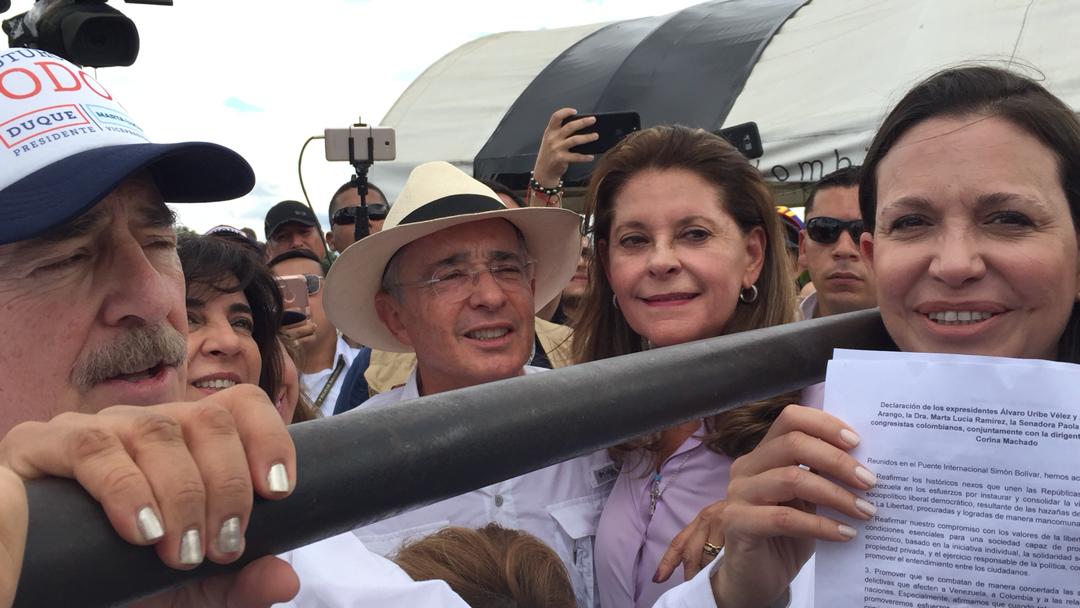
column 866, row 248
column 330, row 241
column 390, row 313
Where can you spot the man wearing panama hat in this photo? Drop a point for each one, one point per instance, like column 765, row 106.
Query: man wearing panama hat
column 456, row 277
column 374, row 288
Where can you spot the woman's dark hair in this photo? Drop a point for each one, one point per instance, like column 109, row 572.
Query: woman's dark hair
column 305, row 409
column 601, row 330
column 491, row 567
column 220, row 265
column 989, row 92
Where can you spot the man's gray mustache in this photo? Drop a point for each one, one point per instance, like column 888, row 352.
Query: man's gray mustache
column 137, row 350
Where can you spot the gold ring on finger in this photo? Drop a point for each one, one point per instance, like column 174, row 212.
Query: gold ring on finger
column 711, row 550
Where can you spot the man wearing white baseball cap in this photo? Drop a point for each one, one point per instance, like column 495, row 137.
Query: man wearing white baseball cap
column 94, row 323
column 456, row 277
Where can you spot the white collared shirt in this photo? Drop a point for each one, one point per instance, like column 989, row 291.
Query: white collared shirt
column 807, row 306
column 358, row 578
column 313, row 383
column 339, row 572
column 560, row 505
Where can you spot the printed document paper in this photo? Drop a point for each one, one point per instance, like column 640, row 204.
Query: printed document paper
column 978, row 494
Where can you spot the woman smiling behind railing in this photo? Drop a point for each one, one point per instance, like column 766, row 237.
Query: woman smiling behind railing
column 688, row 246
column 971, row 193
column 234, row 312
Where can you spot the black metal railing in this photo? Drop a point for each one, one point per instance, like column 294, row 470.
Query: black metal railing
column 363, row 466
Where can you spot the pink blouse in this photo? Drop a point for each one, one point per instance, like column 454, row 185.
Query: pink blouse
column 635, row 530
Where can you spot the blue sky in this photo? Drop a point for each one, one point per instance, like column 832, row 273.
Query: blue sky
column 240, row 105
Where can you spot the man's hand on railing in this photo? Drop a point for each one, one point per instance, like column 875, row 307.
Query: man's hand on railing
column 178, row 476
column 13, row 521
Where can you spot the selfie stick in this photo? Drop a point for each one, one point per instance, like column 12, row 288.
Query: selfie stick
column 360, row 180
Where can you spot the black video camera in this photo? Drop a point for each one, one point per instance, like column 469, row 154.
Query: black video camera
column 85, row 32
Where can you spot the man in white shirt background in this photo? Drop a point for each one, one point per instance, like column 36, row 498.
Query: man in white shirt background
column 456, row 277
column 326, row 354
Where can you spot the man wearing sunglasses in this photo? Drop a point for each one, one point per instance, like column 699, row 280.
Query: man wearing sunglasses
column 326, row 353
column 344, row 206
column 829, row 248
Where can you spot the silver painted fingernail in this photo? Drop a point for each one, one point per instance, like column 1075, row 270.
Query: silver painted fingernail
column 849, row 438
column 191, row 552
column 278, row 478
column 866, row 507
column 149, row 525
column 846, row 531
column 864, row 475
column 231, row 539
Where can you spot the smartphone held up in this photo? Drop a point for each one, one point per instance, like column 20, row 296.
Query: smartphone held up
column 612, row 127
column 294, row 296
column 745, row 137
column 360, row 143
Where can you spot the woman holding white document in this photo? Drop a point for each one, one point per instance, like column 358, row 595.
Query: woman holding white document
column 971, row 196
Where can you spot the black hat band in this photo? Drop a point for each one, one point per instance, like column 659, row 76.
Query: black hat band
column 449, row 206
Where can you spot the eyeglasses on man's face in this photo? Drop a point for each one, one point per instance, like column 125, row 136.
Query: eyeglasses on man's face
column 458, row 282
column 347, row 215
column 314, row 283
column 828, row 229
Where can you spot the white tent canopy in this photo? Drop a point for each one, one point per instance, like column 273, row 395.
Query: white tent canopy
column 451, row 109
column 825, row 82
column 818, row 90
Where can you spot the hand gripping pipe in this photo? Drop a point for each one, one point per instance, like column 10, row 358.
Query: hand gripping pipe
column 372, row 463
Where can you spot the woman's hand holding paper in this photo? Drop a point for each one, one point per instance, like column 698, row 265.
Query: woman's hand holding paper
column 770, row 521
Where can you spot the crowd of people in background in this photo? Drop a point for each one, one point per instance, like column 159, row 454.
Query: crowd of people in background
column 965, row 211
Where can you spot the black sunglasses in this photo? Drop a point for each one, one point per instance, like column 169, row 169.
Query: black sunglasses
column 347, row 215
column 313, row 282
column 828, row 229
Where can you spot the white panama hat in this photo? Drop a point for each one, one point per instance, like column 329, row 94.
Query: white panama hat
column 438, row 196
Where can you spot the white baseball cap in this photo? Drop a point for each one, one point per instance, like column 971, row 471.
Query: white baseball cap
column 66, row 143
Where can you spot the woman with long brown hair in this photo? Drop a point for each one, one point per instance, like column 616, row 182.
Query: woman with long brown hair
column 971, row 195
column 688, row 247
